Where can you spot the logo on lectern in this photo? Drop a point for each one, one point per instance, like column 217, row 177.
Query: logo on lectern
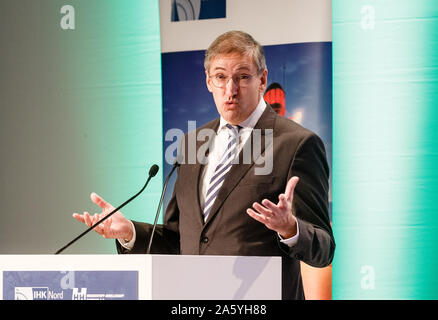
column 80, row 285
column 37, row 293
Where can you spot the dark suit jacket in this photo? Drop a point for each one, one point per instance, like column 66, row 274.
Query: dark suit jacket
column 229, row 230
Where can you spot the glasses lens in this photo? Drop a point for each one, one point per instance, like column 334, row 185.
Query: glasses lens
column 220, row 81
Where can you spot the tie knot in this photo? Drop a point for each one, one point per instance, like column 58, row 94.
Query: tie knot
column 233, row 130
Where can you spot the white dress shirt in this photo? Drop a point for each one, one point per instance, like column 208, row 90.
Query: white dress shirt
column 217, row 149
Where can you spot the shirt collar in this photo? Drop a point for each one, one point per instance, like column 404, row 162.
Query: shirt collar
column 251, row 121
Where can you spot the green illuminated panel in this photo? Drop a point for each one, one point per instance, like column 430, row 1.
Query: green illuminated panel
column 117, row 93
column 385, row 149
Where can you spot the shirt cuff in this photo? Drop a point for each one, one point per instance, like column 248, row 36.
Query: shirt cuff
column 290, row 242
column 128, row 244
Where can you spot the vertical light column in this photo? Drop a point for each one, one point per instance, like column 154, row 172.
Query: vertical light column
column 115, row 60
column 385, row 149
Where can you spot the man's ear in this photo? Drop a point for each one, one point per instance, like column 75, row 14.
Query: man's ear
column 263, row 80
column 207, row 81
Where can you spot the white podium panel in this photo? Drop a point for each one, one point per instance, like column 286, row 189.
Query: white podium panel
column 145, row 277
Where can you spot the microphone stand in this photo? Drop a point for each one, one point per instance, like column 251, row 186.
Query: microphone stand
column 175, row 165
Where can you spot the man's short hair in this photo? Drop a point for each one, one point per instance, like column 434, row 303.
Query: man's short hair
column 236, row 42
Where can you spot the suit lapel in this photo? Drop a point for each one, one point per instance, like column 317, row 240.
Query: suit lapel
column 238, row 171
column 197, row 169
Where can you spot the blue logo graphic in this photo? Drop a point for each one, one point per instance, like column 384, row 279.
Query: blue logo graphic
column 183, row 10
column 70, row 285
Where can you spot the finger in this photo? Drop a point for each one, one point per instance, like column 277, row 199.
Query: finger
column 87, row 219
column 270, row 205
column 99, row 217
column 261, row 209
column 256, row 216
column 100, row 229
column 95, row 219
column 282, row 202
column 79, row 217
column 99, row 201
column 290, row 187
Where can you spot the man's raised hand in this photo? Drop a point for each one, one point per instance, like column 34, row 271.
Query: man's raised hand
column 116, row 226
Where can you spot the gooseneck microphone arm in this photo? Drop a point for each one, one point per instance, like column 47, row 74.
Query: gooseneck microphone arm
column 175, row 165
column 152, row 172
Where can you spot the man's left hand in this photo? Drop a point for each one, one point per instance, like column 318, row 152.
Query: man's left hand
column 278, row 217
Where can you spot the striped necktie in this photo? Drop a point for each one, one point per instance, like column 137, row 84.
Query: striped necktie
column 222, row 169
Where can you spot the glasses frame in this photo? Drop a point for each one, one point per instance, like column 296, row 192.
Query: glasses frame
column 235, row 79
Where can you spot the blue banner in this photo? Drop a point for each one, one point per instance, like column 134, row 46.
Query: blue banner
column 70, row 285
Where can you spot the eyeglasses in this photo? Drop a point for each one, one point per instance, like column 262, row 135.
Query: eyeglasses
column 220, row 80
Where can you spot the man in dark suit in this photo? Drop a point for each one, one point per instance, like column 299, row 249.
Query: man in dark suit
column 231, row 205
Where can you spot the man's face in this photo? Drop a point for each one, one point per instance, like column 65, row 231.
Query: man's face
column 239, row 96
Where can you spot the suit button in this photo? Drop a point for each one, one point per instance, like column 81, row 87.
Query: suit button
column 204, row 239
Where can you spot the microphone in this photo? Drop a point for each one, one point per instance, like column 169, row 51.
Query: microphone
column 152, row 172
column 176, row 164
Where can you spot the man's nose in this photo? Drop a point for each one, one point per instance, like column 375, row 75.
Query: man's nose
column 231, row 87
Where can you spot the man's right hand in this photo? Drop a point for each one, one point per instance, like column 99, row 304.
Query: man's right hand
column 116, row 226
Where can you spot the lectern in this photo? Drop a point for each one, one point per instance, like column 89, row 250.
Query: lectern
column 145, row 277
